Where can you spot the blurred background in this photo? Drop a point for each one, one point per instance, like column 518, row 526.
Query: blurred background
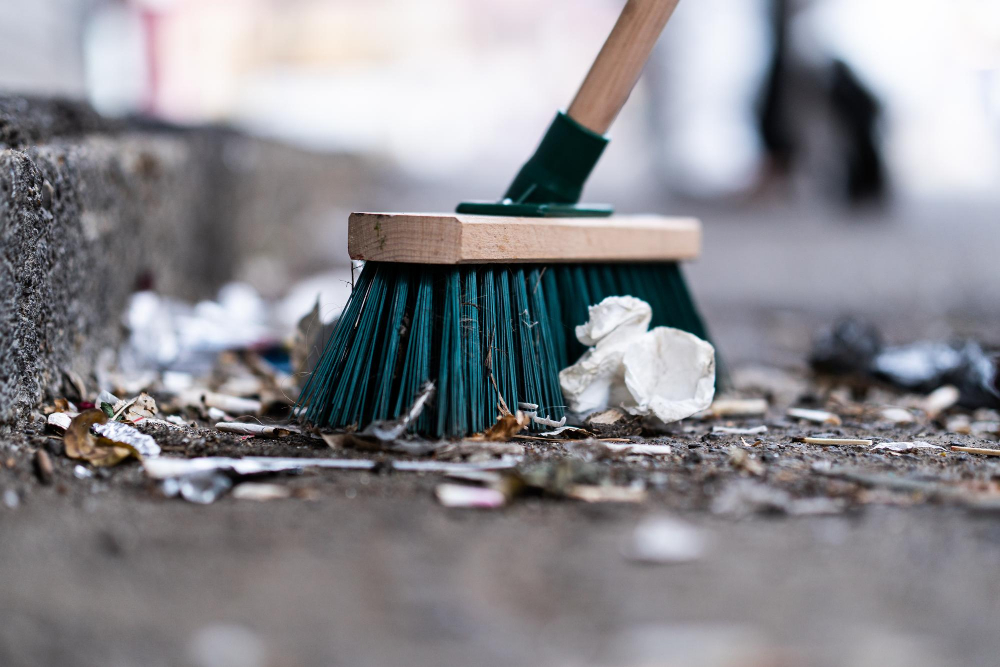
column 844, row 154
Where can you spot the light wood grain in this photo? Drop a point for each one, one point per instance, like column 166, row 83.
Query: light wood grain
column 617, row 68
column 453, row 238
column 976, row 450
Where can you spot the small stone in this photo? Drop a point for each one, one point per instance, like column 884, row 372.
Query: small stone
column 613, row 423
column 898, row 415
column 43, row 467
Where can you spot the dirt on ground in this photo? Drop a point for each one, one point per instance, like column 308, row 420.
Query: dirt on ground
column 806, row 554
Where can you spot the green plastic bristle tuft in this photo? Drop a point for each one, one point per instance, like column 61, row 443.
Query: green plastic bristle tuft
column 486, row 336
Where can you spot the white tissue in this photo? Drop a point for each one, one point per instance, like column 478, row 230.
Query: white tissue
column 665, row 372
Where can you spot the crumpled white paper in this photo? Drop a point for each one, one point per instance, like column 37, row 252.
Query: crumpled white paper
column 667, row 373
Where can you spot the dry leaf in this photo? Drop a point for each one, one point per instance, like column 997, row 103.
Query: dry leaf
column 505, row 428
column 59, row 405
column 83, row 445
column 304, row 345
column 142, row 406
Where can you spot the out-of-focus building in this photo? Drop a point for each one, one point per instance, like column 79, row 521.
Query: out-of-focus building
column 453, row 89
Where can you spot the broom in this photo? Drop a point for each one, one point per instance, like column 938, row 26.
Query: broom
column 483, row 302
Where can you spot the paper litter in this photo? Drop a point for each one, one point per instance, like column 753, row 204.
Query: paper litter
column 663, row 372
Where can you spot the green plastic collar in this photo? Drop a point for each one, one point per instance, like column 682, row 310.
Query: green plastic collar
column 550, row 183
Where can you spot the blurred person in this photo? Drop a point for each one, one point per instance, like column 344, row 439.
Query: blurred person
column 851, row 108
column 841, row 100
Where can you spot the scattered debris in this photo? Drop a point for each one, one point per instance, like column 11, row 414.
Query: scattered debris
column 141, row 407
column 259, row 430
column 564, row 433
column 305, row 349
column 505, row 428
column 613, row 423
column 835, row 442
column 595, row 450
column 390, row 431
column 230, row 404
column 60, row 405
column 261, row 491
column 531, row 411
column 815, row 416
column 744, row 497
column 106, row 401
column 333, row 440
column 162, row 422
column 662, row 539
column 930, row 489
column 664, row 372
column 81, row 443
column 389, row 435
column 169, row 467
column 898, row 415
column 476, row 449
column 959, row 424
column 638, row 448
column 464, row 496
column 906, row 447
column 204, row 480
column 976, row 450
column 167, row 333
column 117, row 434
column 81, row 472
column 940, row 400
column 59, row 421
column 11, row 499
column 737, row 407
column 984, row 428
column 201, row 488
column 856, row 348
column 732, row 430
column 43, row 467
column 741, row 459
column 451, row 468
column 600, row 493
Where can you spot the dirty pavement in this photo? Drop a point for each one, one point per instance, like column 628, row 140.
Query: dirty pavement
column 804, row 499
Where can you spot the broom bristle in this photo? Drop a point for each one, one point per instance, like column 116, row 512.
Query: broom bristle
column 485, row 335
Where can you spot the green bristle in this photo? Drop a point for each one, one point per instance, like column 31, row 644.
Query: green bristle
column 504, row 354
column 451, row 396
column 416, row 367
column 475, row 384
column 386, row 378
column 480, row 333
column 551, row 305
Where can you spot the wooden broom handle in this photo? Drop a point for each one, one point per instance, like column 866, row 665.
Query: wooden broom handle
column 618, row 66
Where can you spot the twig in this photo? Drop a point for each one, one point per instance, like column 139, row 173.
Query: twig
column 976, row 450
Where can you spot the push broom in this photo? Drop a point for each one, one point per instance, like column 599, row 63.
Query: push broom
column 483, row 302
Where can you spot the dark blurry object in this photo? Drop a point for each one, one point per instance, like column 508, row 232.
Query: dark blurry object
column 849, row 347
column 773, row 122
column 925, row 366
column 853, row 347
column 853, row 107
column 857, row 110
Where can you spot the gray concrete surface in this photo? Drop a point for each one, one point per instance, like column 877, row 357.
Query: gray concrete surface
column 90, row 209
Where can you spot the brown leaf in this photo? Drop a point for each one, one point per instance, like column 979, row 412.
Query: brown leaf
column 83, row 445
column 304, row 345
column 506, row 427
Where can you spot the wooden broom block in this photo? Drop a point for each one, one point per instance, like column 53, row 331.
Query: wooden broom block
column 455, row 238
